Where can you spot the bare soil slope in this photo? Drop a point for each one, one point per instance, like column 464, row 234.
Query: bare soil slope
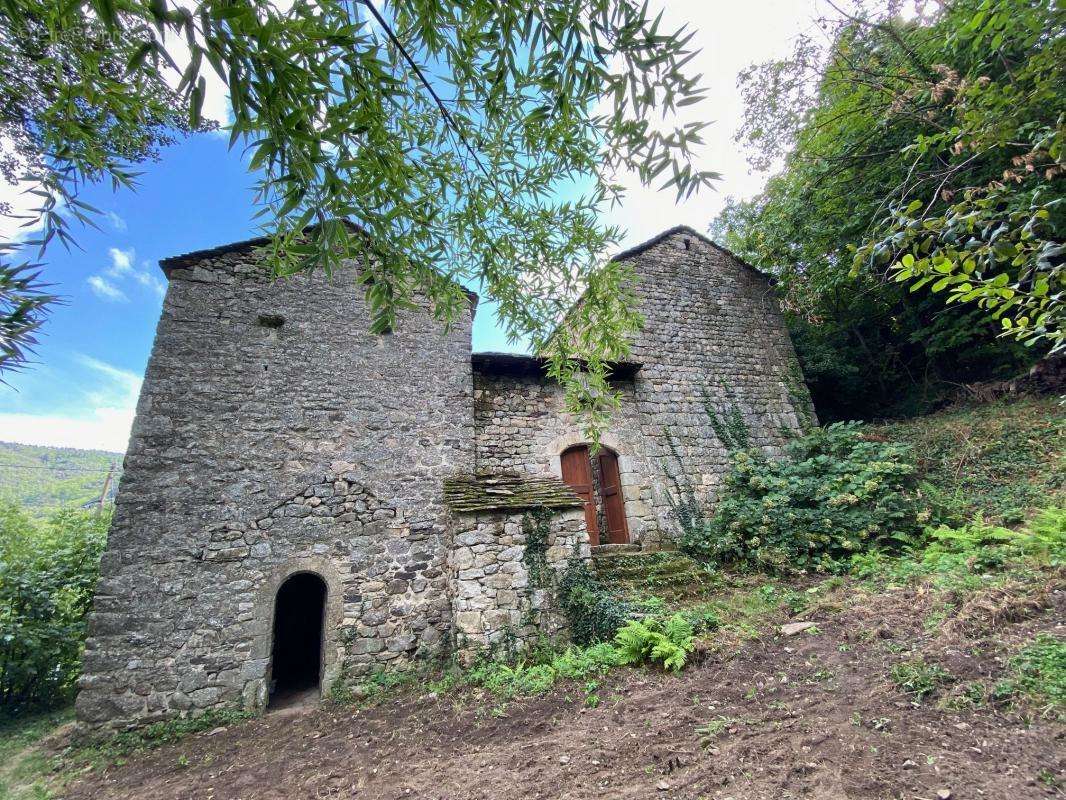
column 814, row 715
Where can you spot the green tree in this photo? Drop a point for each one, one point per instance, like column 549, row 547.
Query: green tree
column 48, row 575
column 469, row 141
column 982, row 214
column 860, row 120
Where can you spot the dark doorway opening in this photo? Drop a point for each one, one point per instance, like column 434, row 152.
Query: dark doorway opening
column 296, row 655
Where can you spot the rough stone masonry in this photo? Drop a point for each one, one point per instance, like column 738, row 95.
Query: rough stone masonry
column 275, row 436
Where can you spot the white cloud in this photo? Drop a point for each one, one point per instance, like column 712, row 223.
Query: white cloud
column 121, row 387
column 117, row 222
column 216, row 95
column 123, row 269
column 105, row 429
column 106, row 290
column 21, row 210
column 146, row 277
column 107, row 408
column 121, row 261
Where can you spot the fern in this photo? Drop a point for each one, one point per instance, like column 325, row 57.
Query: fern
column 1048, row 530
column 668, row 644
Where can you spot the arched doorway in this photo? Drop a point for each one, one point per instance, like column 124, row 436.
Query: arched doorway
column 598, row 483
column 296, row 652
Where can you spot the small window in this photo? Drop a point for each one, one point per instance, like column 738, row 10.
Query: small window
column 271, row 320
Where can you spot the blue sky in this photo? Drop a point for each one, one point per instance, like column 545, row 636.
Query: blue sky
column 95, row 345
column 82, row 390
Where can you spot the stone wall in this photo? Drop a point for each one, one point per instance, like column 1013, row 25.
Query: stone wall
column 275, row 435
column 499, row 607
column 712, row 329
column 521, row 423
column 712, row 332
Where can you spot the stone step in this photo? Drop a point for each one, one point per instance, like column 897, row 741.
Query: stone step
column 614, row 549
column 663, row 572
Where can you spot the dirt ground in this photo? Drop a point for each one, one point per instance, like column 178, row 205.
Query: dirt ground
column 813, row 715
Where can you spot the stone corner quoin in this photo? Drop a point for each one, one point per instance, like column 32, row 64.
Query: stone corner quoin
column 276, row 437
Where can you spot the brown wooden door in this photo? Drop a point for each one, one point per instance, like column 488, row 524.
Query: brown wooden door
column 614, row 511
column 577, row 474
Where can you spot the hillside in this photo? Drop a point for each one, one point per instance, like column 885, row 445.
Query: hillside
column 44, row 478
column 919, row 691
column 999, row 459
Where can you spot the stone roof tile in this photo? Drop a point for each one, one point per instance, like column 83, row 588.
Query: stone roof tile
column 506, row 491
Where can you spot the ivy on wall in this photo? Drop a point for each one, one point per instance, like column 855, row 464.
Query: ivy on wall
column 536, row 527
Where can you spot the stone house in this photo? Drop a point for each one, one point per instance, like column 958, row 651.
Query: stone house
column 303, row 500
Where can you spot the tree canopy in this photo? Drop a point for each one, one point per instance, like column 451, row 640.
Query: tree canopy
column 924, row 160
column 475, row 142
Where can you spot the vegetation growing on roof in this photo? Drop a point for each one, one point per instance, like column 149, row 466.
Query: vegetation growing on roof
column 484, row 491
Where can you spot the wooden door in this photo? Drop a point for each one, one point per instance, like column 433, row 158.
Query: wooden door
column 577, row 474
column 614, row 511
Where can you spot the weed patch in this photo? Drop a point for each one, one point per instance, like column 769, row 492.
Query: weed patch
column 24, row 769
column 999, row 459
column 919, row 679
column 1038, row 673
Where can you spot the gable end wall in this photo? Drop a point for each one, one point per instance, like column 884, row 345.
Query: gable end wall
column 258, row 452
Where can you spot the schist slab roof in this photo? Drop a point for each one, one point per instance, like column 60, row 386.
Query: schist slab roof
column 640, row 248
column 183, row 260
column 497, row 363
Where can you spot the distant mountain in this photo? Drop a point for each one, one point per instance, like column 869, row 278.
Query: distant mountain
column 44, row 478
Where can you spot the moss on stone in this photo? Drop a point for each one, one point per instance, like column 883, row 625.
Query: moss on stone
column 505, row 491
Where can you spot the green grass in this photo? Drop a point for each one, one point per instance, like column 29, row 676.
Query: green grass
column 972, row 556
column 1001, row 459
column 165, row 732
column 746, row 605
column 24, row 768
column 27, row 773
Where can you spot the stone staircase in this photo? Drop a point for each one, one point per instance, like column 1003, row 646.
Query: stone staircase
column 664, row 573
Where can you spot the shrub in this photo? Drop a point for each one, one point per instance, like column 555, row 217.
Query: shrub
column 832, row 494
column 653, row 640
column 593, row 611
column 48, row 574
column 525, row 678
column 955, row 554
column 985, row 547
column 1048, row 531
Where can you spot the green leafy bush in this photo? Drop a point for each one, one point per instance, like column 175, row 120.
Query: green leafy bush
column 834, row 493
column 537, row 675
column 954, row 554
column 986, row 547
column 653, row 640
column 593, row 611
column 48, row 574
